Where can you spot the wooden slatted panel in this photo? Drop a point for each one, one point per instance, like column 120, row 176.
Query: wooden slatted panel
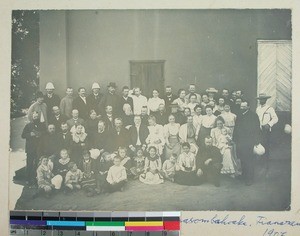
column 284, row 77
column 275, row 73
column 267, row 71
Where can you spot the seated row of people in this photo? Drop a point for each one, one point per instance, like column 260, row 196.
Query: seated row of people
column 109, row 172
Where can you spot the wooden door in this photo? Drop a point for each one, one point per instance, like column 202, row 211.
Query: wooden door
column 275, row 72
column 147, row 75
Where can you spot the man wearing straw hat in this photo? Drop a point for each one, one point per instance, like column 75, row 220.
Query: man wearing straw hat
column 267, row 118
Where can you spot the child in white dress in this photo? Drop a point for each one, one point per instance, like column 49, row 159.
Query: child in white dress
column 152, row 168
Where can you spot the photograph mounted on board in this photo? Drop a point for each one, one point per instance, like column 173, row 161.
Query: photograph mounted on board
column 151, row 110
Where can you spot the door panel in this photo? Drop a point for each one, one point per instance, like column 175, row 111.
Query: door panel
column 274, row 71
column 147, row 75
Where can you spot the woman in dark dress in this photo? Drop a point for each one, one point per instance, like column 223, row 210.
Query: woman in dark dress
column 91, row 124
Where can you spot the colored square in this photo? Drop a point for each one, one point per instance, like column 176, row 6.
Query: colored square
column 172, row 225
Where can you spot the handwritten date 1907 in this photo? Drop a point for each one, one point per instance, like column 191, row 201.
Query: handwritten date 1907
column 272, row 232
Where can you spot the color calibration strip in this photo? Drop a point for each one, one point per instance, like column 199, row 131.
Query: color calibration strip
column 95, row 223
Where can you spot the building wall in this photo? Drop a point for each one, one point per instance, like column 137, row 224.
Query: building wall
column 212, row 48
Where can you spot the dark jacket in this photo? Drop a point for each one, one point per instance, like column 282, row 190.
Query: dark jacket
column 208, row 152
column 93, row 102
column 51, row 102
column 65, row 140
column 143, row 134
column 113, row 100
column 57, row 122
column 82, row 107
column 128, row 101
column 32, row 142
column 118, row 140
column 246, row 133
column 161, row 118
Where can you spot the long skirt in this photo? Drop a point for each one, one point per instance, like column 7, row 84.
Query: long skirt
column 173, row 148
column 150, row 178
column 229, row 164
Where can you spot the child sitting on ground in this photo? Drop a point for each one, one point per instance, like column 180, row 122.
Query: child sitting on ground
column 61, row 165
column 116, row 177
column 73, row 177
column 88, row 182
column 169, row 167
column 152, row 168
column 138, row 164
column 47, row 182
column 125, row 160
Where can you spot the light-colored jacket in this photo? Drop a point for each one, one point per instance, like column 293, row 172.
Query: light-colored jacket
column 40, row 109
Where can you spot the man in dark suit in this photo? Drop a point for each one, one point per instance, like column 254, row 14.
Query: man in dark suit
column 246, row 135
column 57, row 118
column 108, row 118
column 125, row 99
column 161, row 115
column 65, row 137
column 49, row 145
column 32, row 132
column 209, row 162
column 137, row 135
column 80, row 103
column 94, row 99
column 169, row 98
column 100, row 139
column 144, row 116
column 118, row 136
column 111, row 99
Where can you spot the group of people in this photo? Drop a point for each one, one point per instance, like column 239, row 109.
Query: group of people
column 98, row 142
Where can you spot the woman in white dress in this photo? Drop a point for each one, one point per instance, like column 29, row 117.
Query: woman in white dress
column 222, row 139
column 154, row 102
column 228, row 117
column 156, row 135
column 208, row 122
column 171, row 131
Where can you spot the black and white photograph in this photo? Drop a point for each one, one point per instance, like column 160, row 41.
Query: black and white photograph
column 151, row 110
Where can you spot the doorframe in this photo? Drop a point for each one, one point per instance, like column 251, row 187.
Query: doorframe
column 148, row 61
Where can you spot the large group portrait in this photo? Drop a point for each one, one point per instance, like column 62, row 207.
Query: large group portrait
column 153, row 110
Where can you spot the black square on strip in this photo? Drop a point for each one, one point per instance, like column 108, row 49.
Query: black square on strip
column 154, row 218
column 171, row 218
column 67, row 218
column 82, row 218
column 119, row 219
column 137, row 219
column 17, row 215
column 103, row 219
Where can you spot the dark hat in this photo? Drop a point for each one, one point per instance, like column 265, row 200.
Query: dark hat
column 112, row 84
column 263, row 96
